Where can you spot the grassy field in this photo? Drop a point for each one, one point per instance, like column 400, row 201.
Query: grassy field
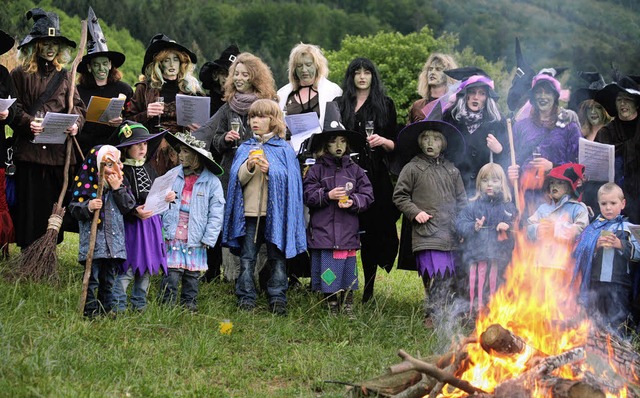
column 47, row 349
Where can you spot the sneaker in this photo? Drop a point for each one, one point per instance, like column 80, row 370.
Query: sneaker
column 348, row 311
column 246, row 306
column 279, row 308
column 334, row 308
column 191, row 307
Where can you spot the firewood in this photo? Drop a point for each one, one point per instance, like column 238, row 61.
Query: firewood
column 563, row 388
column 435, row 372
column 496, row 340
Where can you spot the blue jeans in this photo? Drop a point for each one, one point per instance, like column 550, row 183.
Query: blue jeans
column 277, row 284
column 138, row 291
column 102, row 279
column 171, row 281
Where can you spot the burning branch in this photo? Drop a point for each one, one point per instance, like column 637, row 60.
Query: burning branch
column 411, row 363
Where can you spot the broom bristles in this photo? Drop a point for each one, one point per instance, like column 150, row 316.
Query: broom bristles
column 38, row 262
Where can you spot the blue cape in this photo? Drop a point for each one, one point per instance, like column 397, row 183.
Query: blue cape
column 284, row 222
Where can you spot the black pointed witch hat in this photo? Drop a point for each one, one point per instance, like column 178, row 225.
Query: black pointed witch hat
column 97, row 45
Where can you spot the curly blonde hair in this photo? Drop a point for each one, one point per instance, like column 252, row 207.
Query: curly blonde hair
column 319, row 60
column 187, row 82
column 28, row 55
column 269, row 108
column 447, row 62
column 260, row 77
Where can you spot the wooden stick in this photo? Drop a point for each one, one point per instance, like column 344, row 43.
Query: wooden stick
column 71, row 94
column 255, row 236
column 92, row 244
column 516, row 190
column 436, row 373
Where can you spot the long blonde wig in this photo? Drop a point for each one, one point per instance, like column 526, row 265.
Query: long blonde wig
column 28, row 55
column 187, row 82
column 321, row 63
column 447, row 62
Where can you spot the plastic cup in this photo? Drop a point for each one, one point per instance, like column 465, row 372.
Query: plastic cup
column 226, row 326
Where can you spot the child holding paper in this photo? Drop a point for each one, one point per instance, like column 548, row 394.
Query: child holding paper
column 146, row 253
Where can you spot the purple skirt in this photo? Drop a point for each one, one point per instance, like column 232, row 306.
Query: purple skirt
column 434, row 262
column 145, row 246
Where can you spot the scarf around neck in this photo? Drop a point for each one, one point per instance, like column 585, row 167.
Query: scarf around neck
column 240, row 102
column 472, row 120
column 586, row 248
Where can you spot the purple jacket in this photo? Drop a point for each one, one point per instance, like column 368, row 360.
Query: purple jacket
column 331, row 227
column 559, row 145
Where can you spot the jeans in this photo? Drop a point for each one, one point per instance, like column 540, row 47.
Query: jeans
column 245, row 285
column 138, row 291
column 171, row 281
column 102, row 278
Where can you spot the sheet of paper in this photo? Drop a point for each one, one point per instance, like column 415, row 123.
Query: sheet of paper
column 191, row 109
column 5, row 103
column 635, row 230
column 598, row 160
column 159, row 190
column 54, row 127
column 302, row 126
column 101, row 110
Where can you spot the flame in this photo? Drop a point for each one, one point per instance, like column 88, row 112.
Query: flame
column 537, row 303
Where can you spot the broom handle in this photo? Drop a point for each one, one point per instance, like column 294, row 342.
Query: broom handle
column 92, row 244
column 71, row 93
column 516, row 190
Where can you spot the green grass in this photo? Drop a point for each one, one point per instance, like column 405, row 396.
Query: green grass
column 47, row 349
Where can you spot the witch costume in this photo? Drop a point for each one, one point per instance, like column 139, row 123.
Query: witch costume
column 109, row 251
column 40, row 168
column 332, row 235
column 94, row 133
column 283, row 224
column 146, row 253
column 193, row 223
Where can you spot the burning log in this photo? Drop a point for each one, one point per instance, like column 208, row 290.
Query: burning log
column 496, row 340
column 563, row 388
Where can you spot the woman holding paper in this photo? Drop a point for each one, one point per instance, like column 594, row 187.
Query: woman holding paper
column 249, row 79
column 168, row 70
column 308, row 89
column 42, row 84
column 100, row 78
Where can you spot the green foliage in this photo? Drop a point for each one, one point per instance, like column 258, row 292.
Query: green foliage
column 581, row 34
column 47, row 349
column 400, row 58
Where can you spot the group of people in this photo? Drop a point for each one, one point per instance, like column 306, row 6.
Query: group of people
column 246, row 207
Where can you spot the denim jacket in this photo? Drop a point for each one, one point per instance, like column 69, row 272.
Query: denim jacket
column 110, row 233
column 205, row 210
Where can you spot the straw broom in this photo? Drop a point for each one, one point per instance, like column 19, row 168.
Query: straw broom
column 92, row 244
column 38, row 261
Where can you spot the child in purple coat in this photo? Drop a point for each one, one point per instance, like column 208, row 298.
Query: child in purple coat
column 336, row 190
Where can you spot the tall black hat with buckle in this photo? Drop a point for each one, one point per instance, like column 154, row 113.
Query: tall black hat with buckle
column 46, row 25
column 222, row 63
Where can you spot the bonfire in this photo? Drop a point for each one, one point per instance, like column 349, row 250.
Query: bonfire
column 533, row 340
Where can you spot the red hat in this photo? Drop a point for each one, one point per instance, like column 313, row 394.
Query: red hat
column 573, row 173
